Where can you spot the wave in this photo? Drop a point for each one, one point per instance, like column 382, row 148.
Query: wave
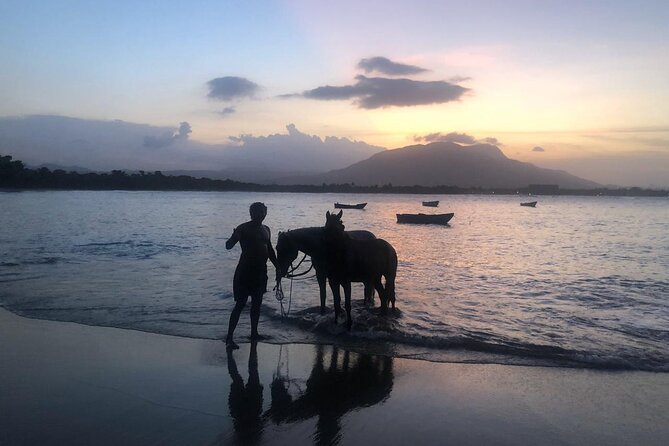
column 39, row 261
column 134, row 249
column 371, row 328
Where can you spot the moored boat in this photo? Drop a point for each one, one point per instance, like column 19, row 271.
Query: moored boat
column 425, row 219
column 350, row 206
column 431, row 204
column 529, row 204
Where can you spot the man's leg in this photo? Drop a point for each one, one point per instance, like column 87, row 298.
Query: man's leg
column 240, row 303
column 256, row 300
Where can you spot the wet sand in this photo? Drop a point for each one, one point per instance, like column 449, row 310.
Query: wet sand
column 64, row 383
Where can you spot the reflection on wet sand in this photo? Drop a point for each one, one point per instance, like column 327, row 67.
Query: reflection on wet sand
column 245, row 401
column 340, row 382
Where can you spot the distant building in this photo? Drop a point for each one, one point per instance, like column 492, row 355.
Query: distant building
column 543, row 189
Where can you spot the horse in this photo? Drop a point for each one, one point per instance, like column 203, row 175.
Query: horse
column 353, row 260
column 311, row 241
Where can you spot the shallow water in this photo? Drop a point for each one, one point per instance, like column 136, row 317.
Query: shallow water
column 579, row 281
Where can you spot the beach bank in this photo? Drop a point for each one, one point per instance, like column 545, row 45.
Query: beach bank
column 64, row 383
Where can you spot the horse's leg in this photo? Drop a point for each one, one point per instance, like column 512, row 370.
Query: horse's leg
column 369, row 292
column 390, row 289
column 347, row 303
column 382, row 293
column 391, row 273
column 320, row 276
column 334, row 286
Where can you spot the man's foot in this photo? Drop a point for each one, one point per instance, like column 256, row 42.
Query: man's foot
column 257, row 337
column 230, row 344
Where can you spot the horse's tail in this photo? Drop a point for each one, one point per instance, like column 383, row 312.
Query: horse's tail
column 390, row 274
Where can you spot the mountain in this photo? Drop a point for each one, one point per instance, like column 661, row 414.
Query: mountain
column 447, row 164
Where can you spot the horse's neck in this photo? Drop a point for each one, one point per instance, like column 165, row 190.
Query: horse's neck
column 308, row 240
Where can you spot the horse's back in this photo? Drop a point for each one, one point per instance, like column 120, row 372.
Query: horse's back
column 361, row 235
column 371, row 255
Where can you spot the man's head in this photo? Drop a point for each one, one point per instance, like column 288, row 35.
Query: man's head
column 258, row 211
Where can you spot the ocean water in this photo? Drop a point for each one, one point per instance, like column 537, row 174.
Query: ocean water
column 576, row 281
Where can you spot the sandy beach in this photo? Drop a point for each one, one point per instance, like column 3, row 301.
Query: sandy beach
column 64, row 383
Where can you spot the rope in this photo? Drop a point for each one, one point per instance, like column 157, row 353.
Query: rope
column 278, row 294
column 278, row 288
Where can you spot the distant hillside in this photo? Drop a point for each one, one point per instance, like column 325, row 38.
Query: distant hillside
column 445, row 163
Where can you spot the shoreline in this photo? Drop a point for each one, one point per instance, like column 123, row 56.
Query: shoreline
column 69, row 383
column 455, row 355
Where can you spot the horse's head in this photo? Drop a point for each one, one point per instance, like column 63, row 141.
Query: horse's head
column 333, row 223
column 286, row 253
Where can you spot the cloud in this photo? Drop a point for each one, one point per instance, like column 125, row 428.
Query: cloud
column 379, row 92
column 386, row 66
column 460, row 138
column 538, row 149
column 167, row 139
column 227, row 111
column 493, row 141
column 231, row 87
column 458, row 79
column 297, row 151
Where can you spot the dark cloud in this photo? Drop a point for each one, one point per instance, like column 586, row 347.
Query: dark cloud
column 460, row 138
column 378, row 92
column 167, row 139
column 386, row 66
column 231, row 87
column 538, row 149
column 227, row 111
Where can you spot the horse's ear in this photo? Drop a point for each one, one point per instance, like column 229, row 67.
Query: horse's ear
column 327, row 215
column 340, row 214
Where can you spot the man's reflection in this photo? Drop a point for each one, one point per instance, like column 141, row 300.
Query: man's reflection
column 342, row 382
column 245, row 402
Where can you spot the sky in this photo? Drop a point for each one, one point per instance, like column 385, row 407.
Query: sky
column 578, row 85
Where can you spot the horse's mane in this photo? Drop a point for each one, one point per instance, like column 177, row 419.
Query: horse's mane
column 302, row 234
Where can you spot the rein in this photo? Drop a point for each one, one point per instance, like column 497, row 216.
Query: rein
column 290, row 274
column 278, row 289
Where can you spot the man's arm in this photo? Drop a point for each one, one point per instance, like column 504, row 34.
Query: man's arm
column 234, row 238
column 270, row 248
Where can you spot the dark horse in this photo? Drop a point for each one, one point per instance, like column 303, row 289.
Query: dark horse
column 311, row 241
column 353, row 260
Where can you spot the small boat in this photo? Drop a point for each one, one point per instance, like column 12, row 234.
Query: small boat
column 350, row 206
column 425, row 219
column 529, row 204
column 431, row 204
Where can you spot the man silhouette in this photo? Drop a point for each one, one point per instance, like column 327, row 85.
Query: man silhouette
column 251, row 273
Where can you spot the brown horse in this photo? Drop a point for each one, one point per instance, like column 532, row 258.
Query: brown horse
column 351, row 260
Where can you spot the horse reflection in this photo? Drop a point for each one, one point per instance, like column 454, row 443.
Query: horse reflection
column 245, row 401
column 338, row 384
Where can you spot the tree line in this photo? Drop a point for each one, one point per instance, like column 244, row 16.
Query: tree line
column 16, row 176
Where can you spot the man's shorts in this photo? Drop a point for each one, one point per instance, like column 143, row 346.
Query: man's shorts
column 249, row 283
